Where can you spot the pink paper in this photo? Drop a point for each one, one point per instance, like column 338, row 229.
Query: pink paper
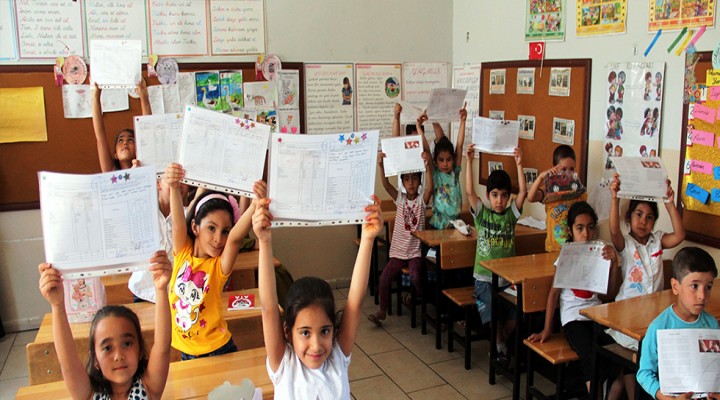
column 701, row 166
column 704, row 113
column 702, row 137
column 714, row 93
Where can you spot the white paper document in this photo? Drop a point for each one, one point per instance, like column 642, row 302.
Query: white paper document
column 116, row 63
column 581, row 266
column 322, row 179
column 77, row 101
column 157, row 138
column 99, row 224
column 494, row 136
column 689, row 361
column 165, row 99
column 402, row 155
column 641, row 178
column 222, row 152
column 410, row 112
column 444, row 104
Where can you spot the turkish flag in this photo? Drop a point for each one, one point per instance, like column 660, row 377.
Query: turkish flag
column 537, row 50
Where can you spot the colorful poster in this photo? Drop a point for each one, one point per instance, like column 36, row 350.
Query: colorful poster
column 8, row 33
column 118, row 20
column 23, row 111
column 207, row 89
column 599, row 17
column 634, row 110
column 329, row 98
column 178, row 28
column 378, row 89
column 288, row 81
column 289, row 120
column 231, row 92
column 419, row 79
column 545, row 19
column 678, row 14
column 49, row 29
column 261, row 95
column 237, row 27
column 467, row 77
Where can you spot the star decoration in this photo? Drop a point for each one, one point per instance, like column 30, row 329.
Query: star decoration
column 279, row 140
column 252, row 124
column 349, row 141
column 357, row 140
column 119, row 177
column 113, row 179
column 238, row 121
column 127, row 176
column 342, row 138
column 364, row 136
column 203, row 323
column 201, row 308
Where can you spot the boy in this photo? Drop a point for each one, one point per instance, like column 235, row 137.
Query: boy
column 556, row 211
column 694, row 271
column 496, row 237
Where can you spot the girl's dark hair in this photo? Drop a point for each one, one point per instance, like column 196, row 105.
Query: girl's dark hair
column 346, row 80
column 578, row 209
column 97, row 380
column 635, row 203
column 444, row 144
column 306, row 292
column 116, row 162
column 205, row 209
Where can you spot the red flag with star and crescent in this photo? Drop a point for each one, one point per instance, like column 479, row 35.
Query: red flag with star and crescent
column 537, row 50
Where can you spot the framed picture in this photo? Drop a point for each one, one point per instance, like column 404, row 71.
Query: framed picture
column 564, row 131
column 497, row 81
column 559, row 82
column 527, row 127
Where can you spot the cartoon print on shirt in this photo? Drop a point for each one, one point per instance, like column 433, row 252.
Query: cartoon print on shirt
column 190, row 288
column 636, row 274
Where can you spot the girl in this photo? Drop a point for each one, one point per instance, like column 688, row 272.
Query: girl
column 582, row 222
column 447, row 197
column 309, row 352
column 641, row 248
column 346, row 91
column 205, row 250
column 118, row 366
column 124, row 156
column 404, row 248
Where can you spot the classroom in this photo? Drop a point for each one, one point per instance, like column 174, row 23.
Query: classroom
column 457, row 32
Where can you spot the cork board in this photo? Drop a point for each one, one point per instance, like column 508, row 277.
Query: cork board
column 537, row 153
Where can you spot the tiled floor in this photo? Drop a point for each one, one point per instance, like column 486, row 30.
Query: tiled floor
column 392, row 362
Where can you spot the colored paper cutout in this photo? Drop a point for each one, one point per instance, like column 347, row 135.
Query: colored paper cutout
column 701, row 166
column 716, row 172
column 697, row 193
column 704, row 113
column 714, row 93
column 702, row 137
column 23, row 111
column 712, row 77
column 715, row 196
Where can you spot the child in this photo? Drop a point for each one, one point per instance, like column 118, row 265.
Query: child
column 447, row 198
column 694, row 271
column 205, row 250
column 641, row 248
column 119, row 365
column 404, row 248
column 308, row 353
column 556, row 211
column 124, row 156
column 582, row 220
column 346, row 91
column 496, row 236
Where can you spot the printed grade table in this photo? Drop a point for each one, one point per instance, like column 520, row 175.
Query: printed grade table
column 514, row 270
column 632, row 318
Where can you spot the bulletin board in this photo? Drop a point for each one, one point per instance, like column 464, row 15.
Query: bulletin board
column 71, row 145
column 537, row 153
column 701, row 220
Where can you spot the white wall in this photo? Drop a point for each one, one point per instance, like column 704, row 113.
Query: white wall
column 304, row 31
column 496, row 33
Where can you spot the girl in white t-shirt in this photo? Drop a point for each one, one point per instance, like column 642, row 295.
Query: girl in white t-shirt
column 308, row 354
column 582, row 224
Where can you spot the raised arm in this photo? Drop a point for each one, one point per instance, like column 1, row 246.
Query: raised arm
column 615, row 278
column 522, row 184
column 461, row 136
column 173, row 174
column 470, row 179
column 427, row 194
column 616, row 236
column 155, row 375
column 76, row 378
column 239, row 231
column 389, row 188
column 396, row 120
column 536, row 193
column 670, row 240
column 421, row 131
column 552, row 301
column 272, row 326
column 350, row 323
column 144, row 97
column 103, row 150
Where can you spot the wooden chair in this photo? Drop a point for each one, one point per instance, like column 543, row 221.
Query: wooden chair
column 463, row 298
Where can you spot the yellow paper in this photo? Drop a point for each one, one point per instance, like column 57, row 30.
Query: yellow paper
column 713, row 77
column 599, row 17
column 703, row 153
column 23, row 115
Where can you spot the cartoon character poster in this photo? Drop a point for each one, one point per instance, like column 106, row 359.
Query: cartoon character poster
column 83, row 298
column 599, row 17
column 678, row 14
column 545, row 20
column 207, row 92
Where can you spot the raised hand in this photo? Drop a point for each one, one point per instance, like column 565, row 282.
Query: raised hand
column 615, row 185
column 374, row 220
column 51, row 286
column 517, row 153
column 173, row 174
column 470, row 151
column 161, row 269
column 262, row 219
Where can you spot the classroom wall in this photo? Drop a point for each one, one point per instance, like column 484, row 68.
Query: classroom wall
column 306, row 31
column 494, row 31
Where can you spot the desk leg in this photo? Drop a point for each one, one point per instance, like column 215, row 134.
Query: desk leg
column 594, row 382
column 639, row 391
column 493, row 329
column 439, row 284
column 375, row 272
column 426, row 294
column 519, row 332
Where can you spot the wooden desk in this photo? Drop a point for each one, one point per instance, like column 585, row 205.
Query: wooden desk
column 242, row 277
column 192, row 379
column 514, row 270
column 44, row 367
column 625, row 317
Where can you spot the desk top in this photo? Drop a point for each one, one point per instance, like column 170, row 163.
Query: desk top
column 146, row 314
column 516, row 269
column 433, row 238
column 624, row 315
column 192, row 379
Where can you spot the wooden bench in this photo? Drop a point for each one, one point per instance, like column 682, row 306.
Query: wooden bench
column 464, row 299
column 242, row 277
column 44, row 367
column 556, row 349
column 192, row 379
